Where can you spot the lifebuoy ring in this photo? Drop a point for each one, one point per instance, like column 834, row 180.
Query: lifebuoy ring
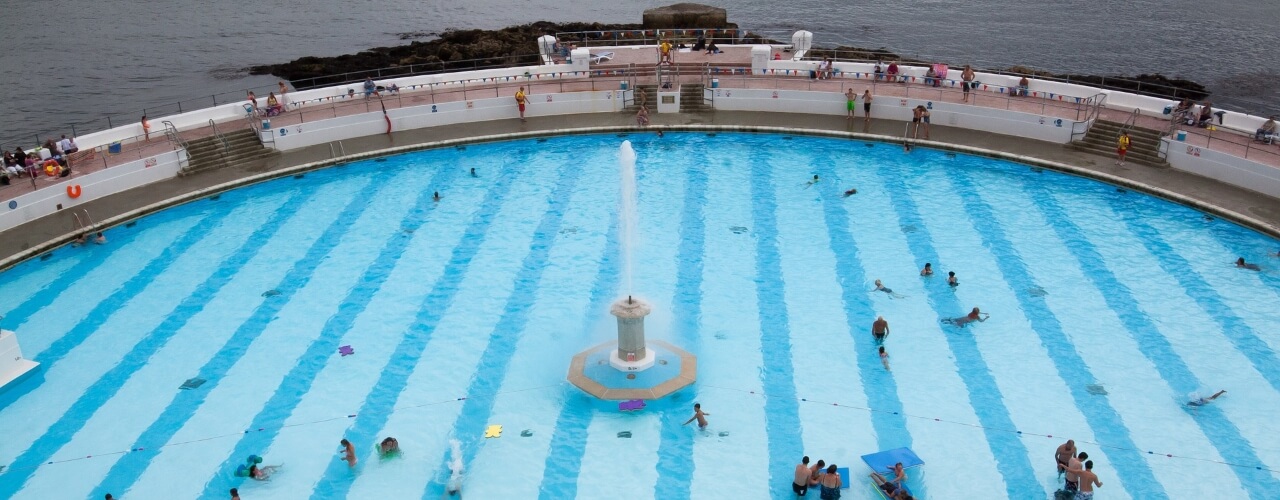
column 73, row 190
column 51, row 168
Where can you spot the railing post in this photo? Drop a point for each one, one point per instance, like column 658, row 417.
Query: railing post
column 109, row 122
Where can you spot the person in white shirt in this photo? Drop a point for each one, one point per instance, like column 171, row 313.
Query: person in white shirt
column 67, row 145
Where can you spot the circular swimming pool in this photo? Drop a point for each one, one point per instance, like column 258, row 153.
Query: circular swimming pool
column 277, row 319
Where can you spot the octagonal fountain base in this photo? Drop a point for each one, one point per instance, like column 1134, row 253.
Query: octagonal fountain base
column 669, row 370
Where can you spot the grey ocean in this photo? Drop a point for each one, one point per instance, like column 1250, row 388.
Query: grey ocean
column 75, row 62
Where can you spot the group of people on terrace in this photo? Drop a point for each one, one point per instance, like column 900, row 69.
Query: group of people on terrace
column 274, row 105
column 52, row 159
column 1185, row 113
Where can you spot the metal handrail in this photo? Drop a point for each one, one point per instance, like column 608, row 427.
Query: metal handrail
column 171, row 133
column 217, row 135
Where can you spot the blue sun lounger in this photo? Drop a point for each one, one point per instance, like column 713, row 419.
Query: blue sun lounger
column 882, row 463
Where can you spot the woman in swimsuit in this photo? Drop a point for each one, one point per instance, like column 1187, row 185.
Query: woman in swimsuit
column 829, row 486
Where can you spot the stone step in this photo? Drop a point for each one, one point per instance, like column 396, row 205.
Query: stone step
column 1110, row 154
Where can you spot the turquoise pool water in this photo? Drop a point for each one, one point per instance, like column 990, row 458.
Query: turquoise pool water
column 1108, row 310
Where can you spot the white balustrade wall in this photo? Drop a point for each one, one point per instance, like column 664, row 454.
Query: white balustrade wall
column 1226, row 168
column 51, row 199
column 448, row 113
column 999, row 121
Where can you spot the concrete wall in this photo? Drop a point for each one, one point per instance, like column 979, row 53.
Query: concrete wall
column 1230, row 169
column 435, row 115
column 1031, row 126
column 50, row 199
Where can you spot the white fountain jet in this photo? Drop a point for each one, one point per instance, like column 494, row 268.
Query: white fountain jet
column 631, row 354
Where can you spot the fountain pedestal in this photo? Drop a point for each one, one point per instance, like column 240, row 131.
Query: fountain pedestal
column 631, row 354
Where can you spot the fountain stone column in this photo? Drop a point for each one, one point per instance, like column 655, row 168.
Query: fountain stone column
column 631, row 354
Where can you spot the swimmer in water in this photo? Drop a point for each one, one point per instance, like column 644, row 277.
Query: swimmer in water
column 473, row 172
column 235, row 494
column 659, row 133
column 435, row 196
column 1242, row 264
column 1205, row 401
column 888, row 291
column 884, row 359
column 951, row 279
column 389, row 446
column 906, row 147
column 348, row 453
column 974, row 315
column 880, row 328
column 262, row 473
column 81, row 239
column 850, row 192
column 809, row 184
column 928, row 269
column 699, row 416
column 101, row 239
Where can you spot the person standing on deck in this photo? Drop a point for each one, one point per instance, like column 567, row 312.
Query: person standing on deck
column 851, row 104
column 521, row 100
column 1122, row 147
column 866, row 105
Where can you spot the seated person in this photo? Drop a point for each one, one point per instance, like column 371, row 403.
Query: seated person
column 892, row 73
column 1024, row 87
column 700, row 45
column 824, row 69
column 878, row 71
column 370, row 88
column 712, row 49
column 931, row 77
column 1206, row 115
column 273, row 105
column 393, row 89
column 1268, row 128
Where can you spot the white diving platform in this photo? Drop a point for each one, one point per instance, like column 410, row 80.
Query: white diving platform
column 13, row 367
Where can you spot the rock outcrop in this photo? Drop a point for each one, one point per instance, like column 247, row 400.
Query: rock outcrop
column 686, row 16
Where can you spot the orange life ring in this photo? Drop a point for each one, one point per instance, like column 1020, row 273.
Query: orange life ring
column 51, row 168
column 73, row 190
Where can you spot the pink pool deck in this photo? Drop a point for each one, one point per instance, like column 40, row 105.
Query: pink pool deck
column 692, row 67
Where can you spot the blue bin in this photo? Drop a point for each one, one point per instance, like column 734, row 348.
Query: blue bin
column 114, row 148
column 1182, row 135
column 622, row 85
column 715, row 83
column 266, row 124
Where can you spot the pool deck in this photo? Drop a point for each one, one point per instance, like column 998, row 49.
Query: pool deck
column 46, row 233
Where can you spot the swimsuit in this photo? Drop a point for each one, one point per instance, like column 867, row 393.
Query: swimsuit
column 851, row 104
column 866, row 106
column 828, row 493
column 1084, row 495
column 800, row 489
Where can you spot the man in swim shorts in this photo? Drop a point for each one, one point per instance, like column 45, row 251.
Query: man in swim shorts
column 1074, row 466
column 1087, row 481
column 521, row 99
column 880, row 328
column 851, row 104
column 800, row 485
column 1066, row 451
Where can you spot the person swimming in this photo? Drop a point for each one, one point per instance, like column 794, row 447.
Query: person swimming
column 1205, row 401
column 928, row 269
column 809, row 184
column 974, row 315
column 263, row 473
column 389, row 447
column 850, row 192
column 951, row 279
column 888, row 291
column 1246, row 265
column 473, row 172
column 435, row 196
column 100, row 239
column 884, row 359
